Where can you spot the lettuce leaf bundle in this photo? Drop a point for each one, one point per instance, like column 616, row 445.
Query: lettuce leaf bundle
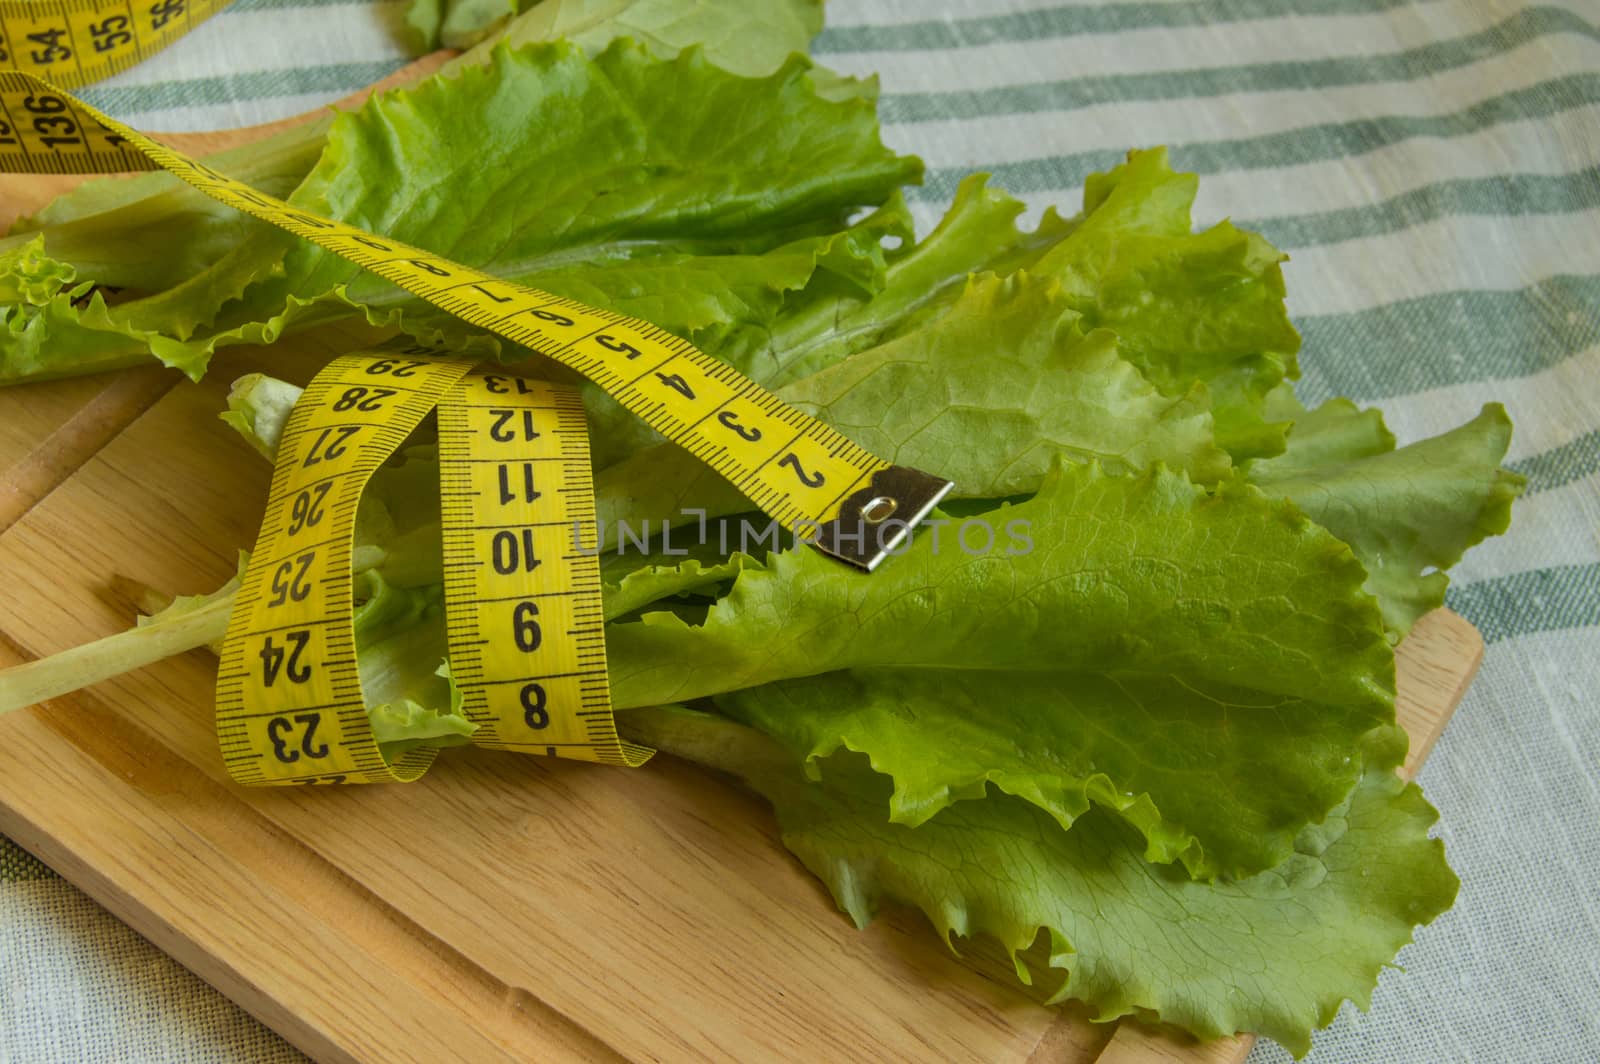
column 1131, row 694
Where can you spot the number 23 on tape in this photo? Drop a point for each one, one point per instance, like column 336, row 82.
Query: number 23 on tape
column 522, row 582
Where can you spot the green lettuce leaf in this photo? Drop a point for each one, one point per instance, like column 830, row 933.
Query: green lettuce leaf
column 741, row 37
column 400, row 636
column 258, row 409
column 195, row 275
column 1185, row 306
column 1408, row 514
column 596, row 164
column 648, row 585
column 1199, row 317
column 428, row 25
column 823, row 325
column 52, row 324
column 1202, row 665
column 990, row 393
column 1276, row 953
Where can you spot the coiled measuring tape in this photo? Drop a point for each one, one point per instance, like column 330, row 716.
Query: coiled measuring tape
column 74, row 42
column 843, row 500
column 525, row 626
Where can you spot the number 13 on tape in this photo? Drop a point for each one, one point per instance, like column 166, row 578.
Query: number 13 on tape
column 522, row 581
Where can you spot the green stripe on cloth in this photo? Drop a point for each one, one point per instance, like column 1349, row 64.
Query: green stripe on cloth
column 1410, row 65
column 1297, row 146
column 1540, row 600
column 1449, row 338
column 199, row 92
column 1074, row 20
column 1561, row 465
column 1504, row 196
column 18, row 865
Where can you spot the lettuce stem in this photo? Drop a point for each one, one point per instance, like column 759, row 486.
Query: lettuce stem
column 59, row 674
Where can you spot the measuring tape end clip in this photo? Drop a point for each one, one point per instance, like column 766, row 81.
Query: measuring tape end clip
column 874, row 520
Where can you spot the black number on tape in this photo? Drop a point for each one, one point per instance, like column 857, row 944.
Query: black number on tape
column 529, row 494
column 280, row 732
column 553, row 318
column 509, row 555
column 622, row 347
column 525, row 627
column 491, row 295
column 164, row 11
column 306, row 510
column 53, row 51
column 499, row 432
column 285, row 659
column 729, row 420
column 331, row 443
column 113, row 140
column 110, row 34
column 677, row 384
column 810, row 480
column 289, row 580
column 367, row 400
column 309, row 220
column 505, row 385
column 394, row 368
column 534, row 715
column 428, row 267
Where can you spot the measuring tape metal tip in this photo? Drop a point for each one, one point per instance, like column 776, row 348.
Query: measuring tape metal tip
column 873, row 521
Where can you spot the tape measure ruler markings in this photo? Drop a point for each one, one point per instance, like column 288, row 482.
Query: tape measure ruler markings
column 796, row 469
column 290, row 707
column 522, row 570
column 74, row 42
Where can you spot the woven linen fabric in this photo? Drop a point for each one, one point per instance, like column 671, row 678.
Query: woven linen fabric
column 1433, row 168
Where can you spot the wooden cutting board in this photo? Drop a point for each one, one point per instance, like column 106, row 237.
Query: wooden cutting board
column 504, row 909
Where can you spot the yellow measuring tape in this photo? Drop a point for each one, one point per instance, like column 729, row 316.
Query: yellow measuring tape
column 74, row 42
column 843, row 500
column 522, row 575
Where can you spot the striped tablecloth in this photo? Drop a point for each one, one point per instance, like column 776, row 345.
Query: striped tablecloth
column 1432, row 169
